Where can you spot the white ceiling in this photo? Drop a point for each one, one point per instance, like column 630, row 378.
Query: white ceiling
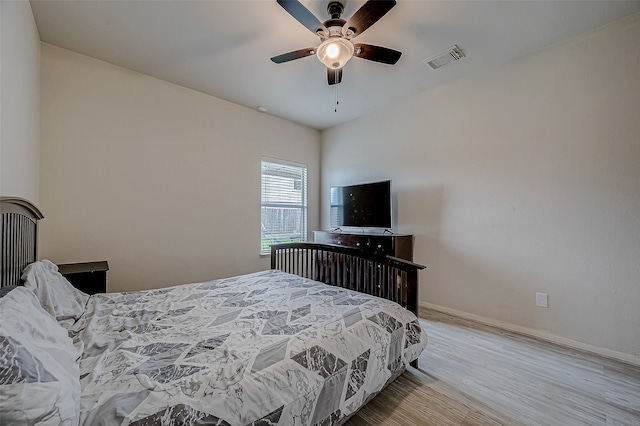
column 223, row 48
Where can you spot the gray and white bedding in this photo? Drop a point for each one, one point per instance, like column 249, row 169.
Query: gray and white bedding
column 268, row 348
column 39, row 375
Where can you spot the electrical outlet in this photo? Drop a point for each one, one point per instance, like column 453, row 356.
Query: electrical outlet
column 542, row 300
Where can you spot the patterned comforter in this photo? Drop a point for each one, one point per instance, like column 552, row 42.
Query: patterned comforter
column 268, row 348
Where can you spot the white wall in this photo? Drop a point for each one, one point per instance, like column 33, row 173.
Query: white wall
column 522, row 180
column 19, row 101
column 160, row 180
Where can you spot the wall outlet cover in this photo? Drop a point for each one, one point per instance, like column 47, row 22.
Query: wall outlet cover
column 542, row 300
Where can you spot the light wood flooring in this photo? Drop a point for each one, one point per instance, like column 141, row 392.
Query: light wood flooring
column 472, row 374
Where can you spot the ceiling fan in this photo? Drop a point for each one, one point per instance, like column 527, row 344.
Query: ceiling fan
column 336, row 47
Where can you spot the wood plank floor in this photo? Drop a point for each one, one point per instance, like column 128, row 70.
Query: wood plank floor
column 472, row 374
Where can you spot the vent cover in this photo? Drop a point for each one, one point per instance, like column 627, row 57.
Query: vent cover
column 452, row 54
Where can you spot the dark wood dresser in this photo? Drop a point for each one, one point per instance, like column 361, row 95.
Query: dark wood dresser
column 89, row 277
column 397, row 245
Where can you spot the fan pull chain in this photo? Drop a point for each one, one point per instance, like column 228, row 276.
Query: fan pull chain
column 337, row 101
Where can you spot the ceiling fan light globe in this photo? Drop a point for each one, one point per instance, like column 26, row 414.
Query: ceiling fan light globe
column 335, row 52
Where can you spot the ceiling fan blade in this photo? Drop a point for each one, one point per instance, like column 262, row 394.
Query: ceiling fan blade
column 367, row 15
column 303, row 15
column 296, row 54
column 334, row 75
column 376, row 53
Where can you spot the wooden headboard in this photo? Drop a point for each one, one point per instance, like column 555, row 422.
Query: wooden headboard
column 19, row 237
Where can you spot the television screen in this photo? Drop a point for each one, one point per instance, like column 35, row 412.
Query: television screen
column 367, row 205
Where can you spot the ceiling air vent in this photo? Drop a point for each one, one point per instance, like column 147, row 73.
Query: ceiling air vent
column 452, row 54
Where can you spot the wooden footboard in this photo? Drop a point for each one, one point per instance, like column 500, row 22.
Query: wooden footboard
column 383, row 276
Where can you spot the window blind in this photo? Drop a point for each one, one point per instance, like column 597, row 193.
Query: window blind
column 284, row 203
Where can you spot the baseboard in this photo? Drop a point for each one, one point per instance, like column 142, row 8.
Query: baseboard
column 538, row 334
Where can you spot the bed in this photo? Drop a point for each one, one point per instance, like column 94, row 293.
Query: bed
column 308, row 342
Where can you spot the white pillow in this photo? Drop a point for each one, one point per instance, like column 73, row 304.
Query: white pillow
column 57, row 296
column 39, row 373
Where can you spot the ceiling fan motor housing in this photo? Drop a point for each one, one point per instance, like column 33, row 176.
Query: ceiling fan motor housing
column 335, row 24
column 335, row 9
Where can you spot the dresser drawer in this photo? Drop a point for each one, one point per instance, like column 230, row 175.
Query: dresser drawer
column 380, row 245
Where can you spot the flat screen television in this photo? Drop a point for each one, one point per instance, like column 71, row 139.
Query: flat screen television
column 366, row 205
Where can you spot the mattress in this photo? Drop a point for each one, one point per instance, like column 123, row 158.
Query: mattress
column 268, row 348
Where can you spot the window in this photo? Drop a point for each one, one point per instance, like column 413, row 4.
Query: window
column 284, row 203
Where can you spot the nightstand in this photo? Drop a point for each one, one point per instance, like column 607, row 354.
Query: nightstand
column 89, row 277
